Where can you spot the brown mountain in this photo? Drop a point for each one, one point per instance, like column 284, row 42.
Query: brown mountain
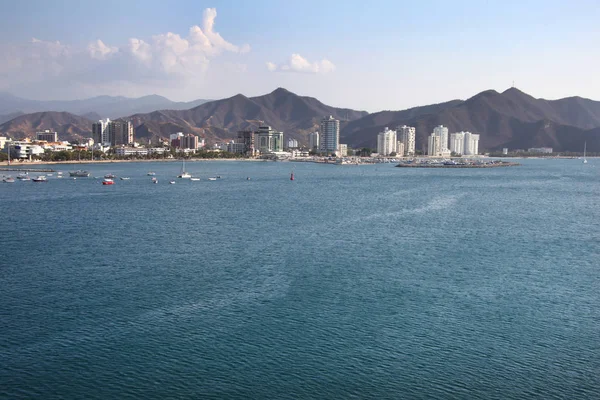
column 295, row 115
column 510, row 119
column 68, row 126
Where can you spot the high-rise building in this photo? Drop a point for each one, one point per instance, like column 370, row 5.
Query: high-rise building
column 407, row 135
column 464, row 143
column 471, row 144
column 268, row 140
column 247, row 139
column 100, row 132
column 175, row 139
column 47, row 136
column 387, row 142
column 457, row 142
column 189, row 141
column 330, row 135
column 292, row 144
column 438, row 142
column 313, row 141
column 120, row 133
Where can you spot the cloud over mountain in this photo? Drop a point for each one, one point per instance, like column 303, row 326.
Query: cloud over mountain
column 162, row 59
column 297, row 63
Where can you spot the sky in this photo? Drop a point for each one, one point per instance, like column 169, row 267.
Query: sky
column 376, row 55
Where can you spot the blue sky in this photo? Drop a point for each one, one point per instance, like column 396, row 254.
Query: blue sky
column 365, row 55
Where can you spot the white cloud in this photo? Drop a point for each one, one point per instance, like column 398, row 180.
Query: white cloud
column 297, row 63
column 166, row 59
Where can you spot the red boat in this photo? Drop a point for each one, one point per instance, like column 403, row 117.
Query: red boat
column 108, row 182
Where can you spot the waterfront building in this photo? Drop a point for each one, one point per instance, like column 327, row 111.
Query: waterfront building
column 457, row 142
column 546, row 150
column 47, row 136
column 189, row 141
column 246, row 138
column 471, row 144
column 313, row 141
column 100, row 132
column 387, row 142
column 175, row 139
column 400, row 148
column 292, row 144
column 120, row 133
column 138, row 151
column 437, row 145
column 236, row 147
column 330, row 135
column 343, row 150
column 407, row 135
column 269, row 140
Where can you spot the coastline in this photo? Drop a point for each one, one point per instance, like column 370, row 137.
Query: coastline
column 33, row 164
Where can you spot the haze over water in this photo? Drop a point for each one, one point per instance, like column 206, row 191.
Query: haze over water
column 349, row 282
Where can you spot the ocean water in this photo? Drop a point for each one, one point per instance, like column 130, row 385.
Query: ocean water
column 349, row 282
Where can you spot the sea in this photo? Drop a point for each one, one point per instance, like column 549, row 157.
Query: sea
column 349, row 282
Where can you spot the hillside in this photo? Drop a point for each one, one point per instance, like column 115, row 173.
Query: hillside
column 68, row 126
column 510, row 119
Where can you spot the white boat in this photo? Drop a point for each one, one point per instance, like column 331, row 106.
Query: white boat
column 124, row 178
column 194, row 179
column 212, row 179
column 184, row 175
column 8, row 179
column 110, row 176
column 151, row 173
column 23, row 177
column 40, row 178
column 584, row 148
column 154, row 180
column 172, row 182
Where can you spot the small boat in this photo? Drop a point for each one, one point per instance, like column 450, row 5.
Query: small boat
column 59, row 173
column 109, row 176
column 79, row 173
column 108, row 181
column 172, row 182
column 184, row 175
column 247, row 178
column 8, row 179
column 212, row 179
column 584, row 148
column 218, row 176
column 23, row 177
column 151, row 173
column 194, row 179
column 124, row 178
column 40, row 178
column 154, row 180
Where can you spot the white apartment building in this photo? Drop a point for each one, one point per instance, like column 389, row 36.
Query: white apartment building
column 313, row 141
column 47, row 136
column 437, row 145
column 407, row 135
column 343, row 150
column 268, row 140
column 387, row 142
column 292, row 144
column 546, row 150
column 330, row 135
column 464, row 143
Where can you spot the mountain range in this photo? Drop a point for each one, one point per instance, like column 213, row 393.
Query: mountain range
column 96, row 107
column 510, row 119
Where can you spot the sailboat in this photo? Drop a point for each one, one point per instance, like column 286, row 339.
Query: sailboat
column 185, row 175
column 584, row 148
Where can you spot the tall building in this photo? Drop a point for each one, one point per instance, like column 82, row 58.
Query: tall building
column 387, row 142
column 189, row 141
column 247, row 139
column 471, row 144
column 313, row 141
column 438, row 142
column 47, row 136
column 407, row 135
column 268, row 140
column 120, row 133
column 175, row 139
column 330, row 135
column 100, row 132
column 457, row 142
column 292, row 144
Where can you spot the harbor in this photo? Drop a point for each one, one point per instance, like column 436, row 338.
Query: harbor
column 462, row 163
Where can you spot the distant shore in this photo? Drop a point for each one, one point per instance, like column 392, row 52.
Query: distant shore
column 33, row 164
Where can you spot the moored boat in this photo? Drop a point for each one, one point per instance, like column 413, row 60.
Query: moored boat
column 108, row 181
column 79, row 173
column 40, row 178
column 8, row 179
column 23, row 177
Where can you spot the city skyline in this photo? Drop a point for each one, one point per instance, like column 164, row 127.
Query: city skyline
column 366, row 60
